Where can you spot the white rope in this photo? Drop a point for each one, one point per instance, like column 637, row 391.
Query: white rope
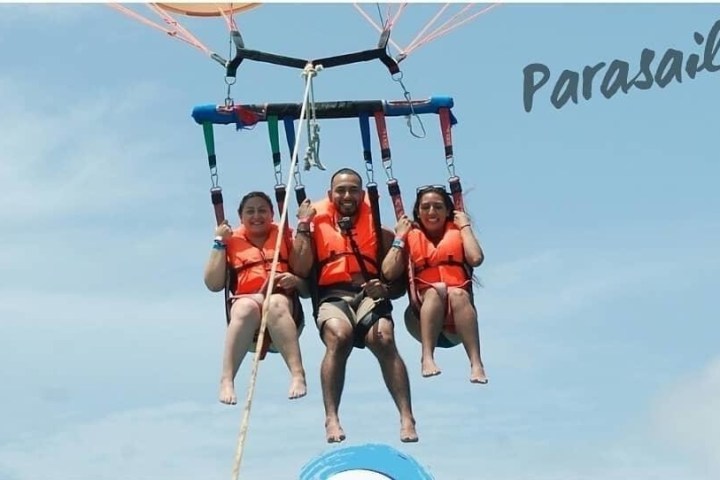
column 263, row 323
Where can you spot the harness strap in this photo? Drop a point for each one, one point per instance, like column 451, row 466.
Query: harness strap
column 216, row 196
column 360, row 258
column 456, row 192
column 449, row 261
column 446, row 130
column 335, row 255
column 245, row 266
column 377, row 223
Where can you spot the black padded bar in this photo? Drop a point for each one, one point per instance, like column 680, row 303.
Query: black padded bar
column 379, row 53
column 340, row 109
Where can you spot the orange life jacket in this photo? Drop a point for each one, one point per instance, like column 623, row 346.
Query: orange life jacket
column 337, row 262
column 252, row 264
column 442, row 263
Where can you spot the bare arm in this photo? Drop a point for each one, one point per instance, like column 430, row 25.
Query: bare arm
column 395, row 261
column 300, row 284
column 474, row 254
column 216, row 266
column 302, row 288
column 215, row 270
column 302, row 256
column 396, row 285
column 394, row 264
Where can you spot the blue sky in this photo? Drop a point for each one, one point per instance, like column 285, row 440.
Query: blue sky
column 599, row 221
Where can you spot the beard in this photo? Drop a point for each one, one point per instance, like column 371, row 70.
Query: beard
column 347, row 210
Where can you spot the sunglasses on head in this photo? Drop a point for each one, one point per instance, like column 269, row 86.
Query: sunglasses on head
column 426, row 188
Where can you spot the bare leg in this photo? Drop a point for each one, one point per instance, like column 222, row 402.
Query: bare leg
column 467, row 328
column 338, row 338
column 244, row 321
column 381, row 342
column 282, row 329
column 432, row 314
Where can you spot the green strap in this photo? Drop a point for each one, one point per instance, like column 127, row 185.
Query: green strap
column 210, row 144
column 272, row 122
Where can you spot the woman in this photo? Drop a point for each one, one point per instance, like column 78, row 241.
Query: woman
column 243, row 258
column 442, row 249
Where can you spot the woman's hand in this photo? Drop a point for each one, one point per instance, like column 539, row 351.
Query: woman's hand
column 224, row 231
column 461, row 220
column 403, row 227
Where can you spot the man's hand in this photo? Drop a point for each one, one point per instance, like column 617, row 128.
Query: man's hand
column 375, row 289
column 306, row 212
column 287, row 281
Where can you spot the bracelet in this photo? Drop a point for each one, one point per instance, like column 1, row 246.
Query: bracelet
column 303, row 227
column 218, row 244
column 398, row 243
column 466, row 225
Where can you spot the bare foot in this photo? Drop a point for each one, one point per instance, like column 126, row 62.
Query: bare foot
column 407, row 431
column 477, row 374
column 298, row 387
column 333, row 431
column 429, row 368
column 227, row 392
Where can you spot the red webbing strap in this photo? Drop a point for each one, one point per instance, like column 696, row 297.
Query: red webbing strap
column 394, row 192
column 383, row 137
column 217, row 200
column 386, row 155
column 444, row 113
column 454, row 180
column 456, row 192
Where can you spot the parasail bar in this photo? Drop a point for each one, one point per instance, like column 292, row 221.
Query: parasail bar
column 251, row 114
column 328, row 62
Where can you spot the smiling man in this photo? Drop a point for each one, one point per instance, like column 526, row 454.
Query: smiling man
column 338, row 250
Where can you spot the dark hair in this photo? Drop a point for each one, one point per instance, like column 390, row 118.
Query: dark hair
column 449, row 205
column 346, row 171
column 255, row 194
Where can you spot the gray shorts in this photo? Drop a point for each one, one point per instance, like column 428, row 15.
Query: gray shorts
column 340, row 304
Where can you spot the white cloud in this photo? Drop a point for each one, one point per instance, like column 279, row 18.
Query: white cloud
column 182, row 441
column 552, row 285
column 85, row 190
column 47, row 14
column 92, row 155
column 686, row 417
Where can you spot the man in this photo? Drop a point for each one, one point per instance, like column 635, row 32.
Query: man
column 351, row 304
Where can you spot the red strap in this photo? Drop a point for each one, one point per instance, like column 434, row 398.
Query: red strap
column 446, row 131
column 383, row 137
column 216, row 198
